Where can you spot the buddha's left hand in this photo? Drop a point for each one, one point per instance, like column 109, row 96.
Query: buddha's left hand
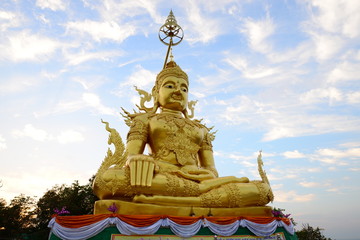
column 195, row 173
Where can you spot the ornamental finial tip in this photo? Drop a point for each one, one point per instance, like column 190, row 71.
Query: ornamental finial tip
column 170, row 33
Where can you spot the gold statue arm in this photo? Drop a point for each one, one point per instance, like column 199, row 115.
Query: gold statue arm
column 207, row 162
column 135, row 147
column 141, row 166
column 206, row 156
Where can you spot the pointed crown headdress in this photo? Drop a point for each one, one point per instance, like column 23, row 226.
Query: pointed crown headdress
column 171, row 69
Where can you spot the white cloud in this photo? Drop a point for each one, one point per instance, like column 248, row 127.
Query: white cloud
column 256, row 72
column 8, row 20
column 89, row 83
column 337, row 16
column 326, row 46
column 353, row 97
column 345, row 71
column 279, row 174
column 258, row 33
column 32, row 132
column 350, row 145
column 25, row 46
column 18, row 83
column 277, row 186
column 354, row 169
column 87, row 100
column 304, row 125
column 336, row 153
column 337, row 156
column 70, row 136
column 293, row 154
column 76, row 59
column 2, row 143
column 140, row 77
column 299, row 54
column 114, row 10
column 52, row 4
column 331, row 95
column 244, row 110
column 318, row 95
column 102, row 30
column 292, row 196
column 313, row 170
column 310, row 184
column 285, row 118
column 93, row 100
column 333, row 190
column 68, row 106
column 201, row 27
column 43, row 19
column 279, row 132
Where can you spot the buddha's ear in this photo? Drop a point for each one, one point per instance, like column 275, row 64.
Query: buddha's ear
column 156, row 100
column 154, row 94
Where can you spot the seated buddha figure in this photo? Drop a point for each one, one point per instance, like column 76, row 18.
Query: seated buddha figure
column 179, row 168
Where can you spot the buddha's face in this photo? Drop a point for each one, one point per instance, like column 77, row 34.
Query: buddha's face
column 173, row 93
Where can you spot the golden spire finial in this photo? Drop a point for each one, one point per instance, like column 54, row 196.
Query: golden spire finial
column 170, row 32
column 171, row 20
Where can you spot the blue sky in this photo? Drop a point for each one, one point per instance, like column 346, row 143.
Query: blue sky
column 277, row 76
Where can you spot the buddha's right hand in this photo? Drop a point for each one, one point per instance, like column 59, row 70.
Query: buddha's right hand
column 141, row 170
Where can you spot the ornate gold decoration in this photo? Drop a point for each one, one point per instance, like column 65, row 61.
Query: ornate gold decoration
column 144, row 97
column 234, row 195
column 118, row 158
column 263, row 176
column 211, row 199
column 178, row 140
column 168, row 31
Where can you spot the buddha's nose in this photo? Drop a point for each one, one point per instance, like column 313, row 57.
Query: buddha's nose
column 177, row 94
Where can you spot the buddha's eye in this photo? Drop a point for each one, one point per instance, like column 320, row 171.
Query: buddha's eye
column 169, row 86
column 184, row 89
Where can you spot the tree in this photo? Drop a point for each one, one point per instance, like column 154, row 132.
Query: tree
column 78, row 200
column 24, row 218
column 310, row 233
column 17, row 218
column 2, row 214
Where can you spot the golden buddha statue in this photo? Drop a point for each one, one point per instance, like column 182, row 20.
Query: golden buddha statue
column 178, row 175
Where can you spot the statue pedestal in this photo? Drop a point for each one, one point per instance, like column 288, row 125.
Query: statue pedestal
column 129, row 208
column 157, row 227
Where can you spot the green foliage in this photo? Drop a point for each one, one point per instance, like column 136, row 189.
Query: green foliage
column 310, row 233
column 77, row 199
column 24, row 218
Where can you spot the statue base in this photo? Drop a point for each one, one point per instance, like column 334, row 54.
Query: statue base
column 121, row 227
column 112, row 233
column 130, row 208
